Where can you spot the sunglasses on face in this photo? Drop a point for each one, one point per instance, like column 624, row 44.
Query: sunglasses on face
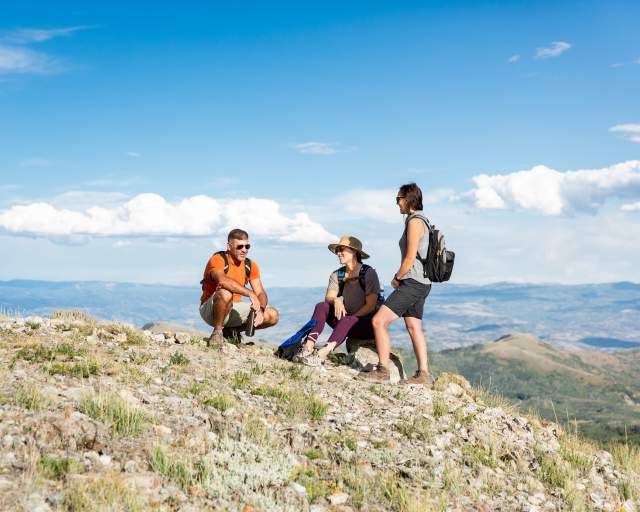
column 239, row 247
column 341, row 249
column 398, row 199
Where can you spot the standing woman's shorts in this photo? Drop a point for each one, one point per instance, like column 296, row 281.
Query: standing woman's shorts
column 408, row 298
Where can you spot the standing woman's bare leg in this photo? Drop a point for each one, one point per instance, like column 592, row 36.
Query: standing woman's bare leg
column 414, row 327
column 380, row 323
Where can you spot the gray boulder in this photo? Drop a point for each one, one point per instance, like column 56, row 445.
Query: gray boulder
column 364, row 357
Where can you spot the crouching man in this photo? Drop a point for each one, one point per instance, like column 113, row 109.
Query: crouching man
column 225, row 283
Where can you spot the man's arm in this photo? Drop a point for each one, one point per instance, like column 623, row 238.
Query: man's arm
column 229, row 284
column 258, row 289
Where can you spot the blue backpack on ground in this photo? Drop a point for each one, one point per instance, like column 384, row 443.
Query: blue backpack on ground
column 291, row 346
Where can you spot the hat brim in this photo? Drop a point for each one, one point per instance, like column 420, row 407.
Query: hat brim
column 333, row 247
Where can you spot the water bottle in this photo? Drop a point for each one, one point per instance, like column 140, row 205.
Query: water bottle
column 250, row 329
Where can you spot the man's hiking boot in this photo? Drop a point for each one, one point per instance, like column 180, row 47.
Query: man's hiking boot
column 216, row 338
column 232, row 334
column 378, row 374
column 420, row 377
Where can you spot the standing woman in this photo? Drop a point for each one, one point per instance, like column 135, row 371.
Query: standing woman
column 411, row 290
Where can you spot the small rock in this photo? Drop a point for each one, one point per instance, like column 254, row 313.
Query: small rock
column 130, row 466
column 105, row 460
column 182, row 338
column 5, row 484
column 339, row 498
column 298, row 488
column 162, row 430
column 7, row 441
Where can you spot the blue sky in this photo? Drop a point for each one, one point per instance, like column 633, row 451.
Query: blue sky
column 299, row 122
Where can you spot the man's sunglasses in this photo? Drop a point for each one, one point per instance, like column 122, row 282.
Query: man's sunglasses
column 398, row 199
column 239, row 247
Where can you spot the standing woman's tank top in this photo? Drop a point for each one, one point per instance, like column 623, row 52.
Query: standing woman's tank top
column 416, row 271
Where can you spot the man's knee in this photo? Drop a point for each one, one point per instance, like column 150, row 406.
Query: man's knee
column 222, row 297
column 271, row 316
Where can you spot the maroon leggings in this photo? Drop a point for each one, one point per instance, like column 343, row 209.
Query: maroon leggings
column 348, row 325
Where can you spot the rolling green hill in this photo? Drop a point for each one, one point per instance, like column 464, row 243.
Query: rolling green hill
column 597, row 391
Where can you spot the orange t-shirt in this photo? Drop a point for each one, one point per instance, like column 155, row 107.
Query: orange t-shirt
column 236, row 272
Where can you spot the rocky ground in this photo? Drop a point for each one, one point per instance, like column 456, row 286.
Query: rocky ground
column 100, row 416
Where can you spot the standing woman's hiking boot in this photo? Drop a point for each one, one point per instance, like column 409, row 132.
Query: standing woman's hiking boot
column 378, row 374
column 420, row 377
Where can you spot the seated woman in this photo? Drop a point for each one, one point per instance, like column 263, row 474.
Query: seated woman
column 351, row 300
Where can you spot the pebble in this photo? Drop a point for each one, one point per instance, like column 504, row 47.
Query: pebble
column 298, row 488
column 338, row 498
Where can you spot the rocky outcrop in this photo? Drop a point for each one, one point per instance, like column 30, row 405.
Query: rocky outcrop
column 97, row 416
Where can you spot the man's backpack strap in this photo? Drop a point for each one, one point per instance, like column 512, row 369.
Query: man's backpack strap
column 223, row 255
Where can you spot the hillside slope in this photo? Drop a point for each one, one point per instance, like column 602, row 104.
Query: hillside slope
column 100, row 416
column 600, row 390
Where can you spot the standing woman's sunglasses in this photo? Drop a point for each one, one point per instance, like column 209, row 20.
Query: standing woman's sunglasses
column 398, row 199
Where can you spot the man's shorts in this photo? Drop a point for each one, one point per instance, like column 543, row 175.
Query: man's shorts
column 236, row 317
column 407, row 300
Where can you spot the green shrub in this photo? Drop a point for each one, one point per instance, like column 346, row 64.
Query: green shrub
column 185, row 473
column 219, row 402
column 179, row 359
column 440, row 407
column 80, row 370
column 241, row 380
column 30, row 398
column 124, row 419
column 58, row 468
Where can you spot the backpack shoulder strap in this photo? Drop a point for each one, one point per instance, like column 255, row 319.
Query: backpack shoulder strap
column 223, row 255
column 418, row 216
column 342, row 271
column 361, row 276
column 247, row 268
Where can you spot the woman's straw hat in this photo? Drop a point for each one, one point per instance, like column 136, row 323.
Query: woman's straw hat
column 352, row 242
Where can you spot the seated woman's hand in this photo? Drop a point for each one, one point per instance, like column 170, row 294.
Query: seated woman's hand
column 338, row 308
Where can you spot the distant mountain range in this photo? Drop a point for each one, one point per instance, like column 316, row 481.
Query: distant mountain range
column 599, row 392
column 598, row 315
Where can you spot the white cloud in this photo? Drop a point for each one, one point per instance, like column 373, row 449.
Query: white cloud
column 315, row 148
column 632, row 207
column 555, row 193
column 556, row 49
column 133, row 154
column 617, row 65
column 150, row 215
column 22, row 60
column 37, row 35
column 637, row 61
column 629, row 131
column 514, row 58
column 380, row 204
column 35, row 161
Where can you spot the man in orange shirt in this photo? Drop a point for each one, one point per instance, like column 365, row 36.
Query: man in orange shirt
column 225, row 282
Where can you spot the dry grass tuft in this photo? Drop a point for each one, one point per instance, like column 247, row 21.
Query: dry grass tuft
column 124, row 419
